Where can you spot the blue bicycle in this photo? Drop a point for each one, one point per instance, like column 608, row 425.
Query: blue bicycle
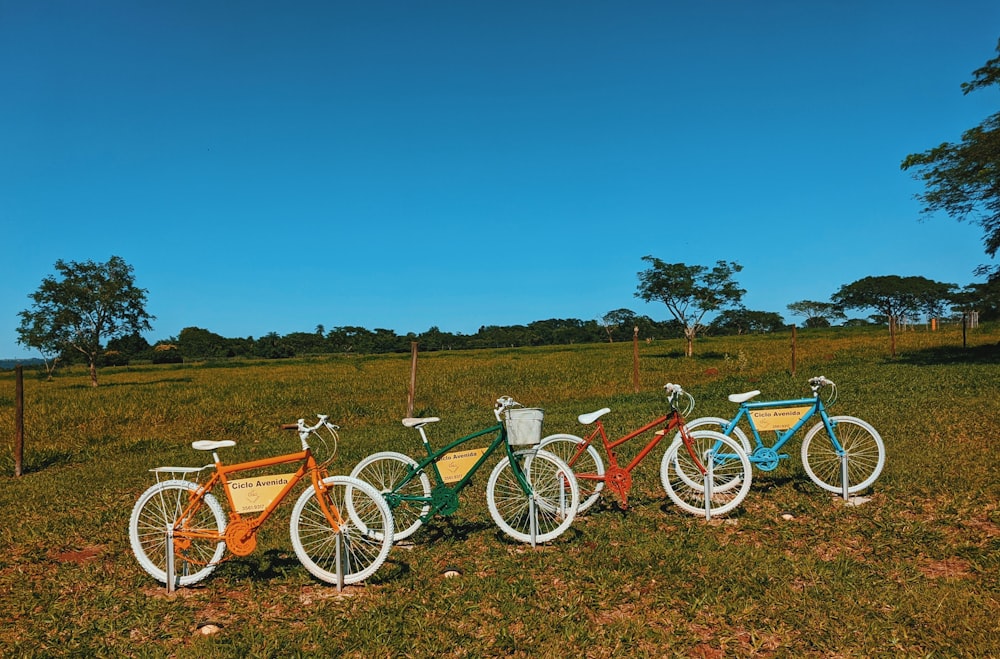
column 834, row 449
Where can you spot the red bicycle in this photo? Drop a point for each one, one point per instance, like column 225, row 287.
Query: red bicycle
column 719, row 483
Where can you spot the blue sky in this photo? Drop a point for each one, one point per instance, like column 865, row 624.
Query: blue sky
column 270, row 167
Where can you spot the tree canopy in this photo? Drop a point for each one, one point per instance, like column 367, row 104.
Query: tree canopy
column 818, row 314
column 746, row 321
column 88, row 303
column 690, row 291
column 963, row 179
column 895, row 297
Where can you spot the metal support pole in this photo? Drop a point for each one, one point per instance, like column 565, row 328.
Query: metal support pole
column 533, row 520
column 170, row 560
column 562, row 496
column 709, row 478
column 843, row 476
column 340, row 564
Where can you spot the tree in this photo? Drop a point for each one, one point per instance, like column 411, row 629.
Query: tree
column 198, row 343
column 690, row 291
column 86, row 304
column 986, row 298
column 894, row 297
column 818, row 314
column 746, row 321
column 615, row 319
column 963, row 179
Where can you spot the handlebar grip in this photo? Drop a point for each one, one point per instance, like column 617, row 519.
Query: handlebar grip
column 289, row 426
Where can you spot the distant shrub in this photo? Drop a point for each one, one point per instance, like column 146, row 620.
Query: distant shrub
column 167, row 354
column 113, row 358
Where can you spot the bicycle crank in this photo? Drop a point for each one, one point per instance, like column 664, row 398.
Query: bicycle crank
column 620, row 482
column 241, row 539
column 766, row 459
column 444, row 500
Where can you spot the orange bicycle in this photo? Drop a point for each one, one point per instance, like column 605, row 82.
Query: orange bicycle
column 341, row 527
column 709, row 486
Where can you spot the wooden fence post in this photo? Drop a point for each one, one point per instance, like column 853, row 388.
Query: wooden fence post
column 18, row 419
column 635, row 358
column 413, row 378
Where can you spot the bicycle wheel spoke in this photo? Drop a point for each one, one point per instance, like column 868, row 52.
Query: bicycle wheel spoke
column 686, row 484
column 862, row 446
column 586, row 464
column 355, row 547
column 158, row 509
column 409, row 502
column 542, row 513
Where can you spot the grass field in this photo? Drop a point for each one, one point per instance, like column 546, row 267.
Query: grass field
column 912, row 572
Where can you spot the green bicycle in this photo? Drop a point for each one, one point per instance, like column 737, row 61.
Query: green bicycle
column 532, row 495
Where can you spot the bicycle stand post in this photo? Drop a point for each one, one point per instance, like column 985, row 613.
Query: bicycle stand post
column 843, row 476
column 170, row 559
column 709, row 478
column 340, row 565
column 532, row 519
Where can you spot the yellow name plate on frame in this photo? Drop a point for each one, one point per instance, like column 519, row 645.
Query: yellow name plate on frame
column 252, row 495
column 455, row 465
column 781, row 418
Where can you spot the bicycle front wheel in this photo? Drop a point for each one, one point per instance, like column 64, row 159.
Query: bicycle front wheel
column 340, row 548
column 686, row 484
column 862, row 445
column 549, row 506
column 587, row 465
column 158, row 509
column 409, row 500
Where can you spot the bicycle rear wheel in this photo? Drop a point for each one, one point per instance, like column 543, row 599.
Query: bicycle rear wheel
column 587, row 465
column 345, row 549
column 409, row 501
column 159, row 508
column 549, row 506
column 864, row 448
column 685, row 483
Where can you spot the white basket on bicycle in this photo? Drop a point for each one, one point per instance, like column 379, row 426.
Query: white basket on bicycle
column 524, row 426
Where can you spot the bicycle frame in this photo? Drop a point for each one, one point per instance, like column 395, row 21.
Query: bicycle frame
column 768, row 459
column 220, row 475
column 618, row 478
column 440, row 504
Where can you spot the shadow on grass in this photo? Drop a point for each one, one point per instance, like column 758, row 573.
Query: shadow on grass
column 265, row 566
column 985, row 354
column 393, row 570
column 710, row 355
column 447, row 528
column 276, row 564
column 37, row 461
column 669, row 508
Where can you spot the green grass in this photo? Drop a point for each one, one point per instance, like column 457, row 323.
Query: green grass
column 914, row 571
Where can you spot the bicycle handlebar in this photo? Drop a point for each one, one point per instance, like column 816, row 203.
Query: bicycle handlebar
column 674, row 392
column 821, row 381
column 305, row 431
column 504, row 403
